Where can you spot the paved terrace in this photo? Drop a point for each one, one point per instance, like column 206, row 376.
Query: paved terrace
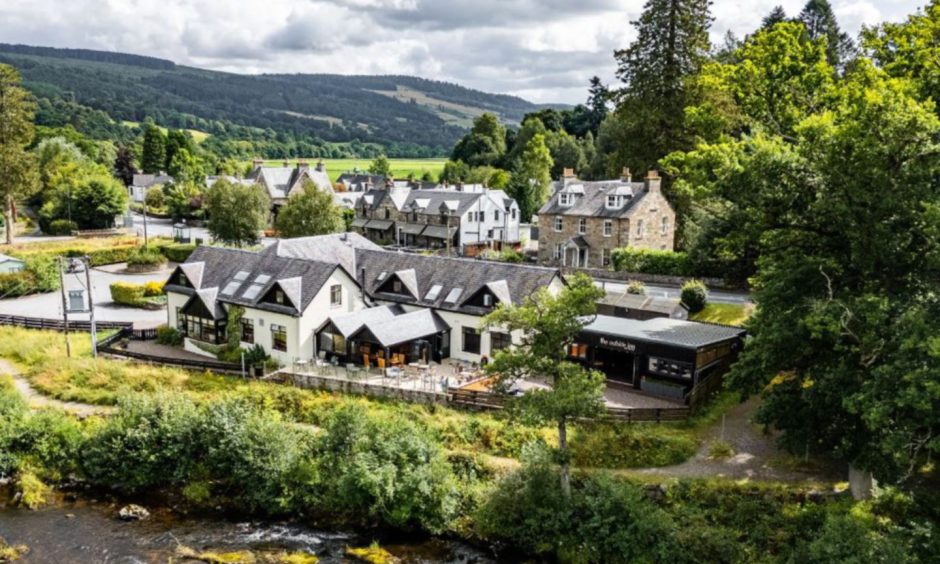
column 434, row 378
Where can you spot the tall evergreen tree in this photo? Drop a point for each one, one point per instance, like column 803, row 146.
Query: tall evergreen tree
column 124, row 165
column 598, row 98
column 820, row 22
column 671, row 46
column 777, row 15
column 153, row 159
column 18, row 171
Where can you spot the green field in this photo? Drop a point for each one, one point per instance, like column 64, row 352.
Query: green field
column 401, row 168
column 198, row 136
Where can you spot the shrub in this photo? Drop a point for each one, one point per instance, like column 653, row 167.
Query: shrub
column 45, row 271
column 153, row 288
column 694, row 295
column 155, row 197
column 648, row 261
column 636, row 287
column 127, row 293
column 61, row 227
column 169, row 336
column 177, row 252
column 511, row 256
column 15, row 284
column 145, row 256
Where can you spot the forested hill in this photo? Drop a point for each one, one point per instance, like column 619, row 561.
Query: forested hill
column 272, row 114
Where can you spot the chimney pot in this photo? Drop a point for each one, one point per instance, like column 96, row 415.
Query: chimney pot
column 652, row 174
column 653, row 182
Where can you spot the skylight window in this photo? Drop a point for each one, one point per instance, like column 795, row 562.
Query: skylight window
column 241, row 275
column 262, row 279
column 252, row 291
column 453, row 296
column 433, row 293
column 231, row 288
column 382, row 276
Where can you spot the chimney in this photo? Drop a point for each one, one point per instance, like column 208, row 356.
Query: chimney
column 567, row 173
column 258, row 162
column 652, row 181
column 625, row 175
column 302, row 165
column 286, row 164
column 460, row 186
column 320, row 166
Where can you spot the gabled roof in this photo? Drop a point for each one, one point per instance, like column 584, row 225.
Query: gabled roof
column 281, row 180
column 469, row 275
column 663, row 330
column 219, row 267
column 348, row 323
column 590, row 198
column 148, row 180
column 405, row 327
column 336, row 247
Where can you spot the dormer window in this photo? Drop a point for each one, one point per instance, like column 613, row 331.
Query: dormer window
column 487, row 300
column 566, row 199
column 279, row 297
column 613, row 201
column 396, row 286
column 183, row 281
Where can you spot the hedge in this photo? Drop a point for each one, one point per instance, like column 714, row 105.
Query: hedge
column 146, row 256
column 647, row 261
column 137, row 295
column 16, row 284
column 62, row 227
column 177, row 252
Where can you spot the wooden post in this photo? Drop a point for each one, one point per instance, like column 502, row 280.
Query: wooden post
column 65, row 311
column 91, row 308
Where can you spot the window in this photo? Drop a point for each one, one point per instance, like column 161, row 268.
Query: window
column 559, row 223
column 613, row 201
column 248, row 330
column 664, row 228
column 608, row 228
column 336, row 295
column 396, row 286
column 388, row 213
column 565, row 199
column 605, row 257
column 639, row 229
column 496, row 215
column 582, row 225
column 279, row 297
column 559, row 251
column 414, row 216
column 578, row 350
column 279, row 337
column 183, row 281
column 499, row 341
column 513, row 213
column 197, row 328
column 180, row 322
column 471, row 340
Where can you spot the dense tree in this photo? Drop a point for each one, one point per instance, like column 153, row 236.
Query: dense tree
column 565, row 152
column 531, row 177
column 124, row 165
column 18, row 174
column 311, row 212
column 54, row 156
column 821, row 23
column 153, row 156
column 484, row 145
column 776, row 15
column 844, row 339
column 184, row 200
column 598, row 98
column 381, row 167
column 531, row 126
column 185, row 167
column 549, row 324
column 96, row 202
column 237, row 212
column 909, row 49
column 671, row 45
column 177, row 140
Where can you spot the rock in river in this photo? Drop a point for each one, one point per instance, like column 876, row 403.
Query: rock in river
column 133, row 512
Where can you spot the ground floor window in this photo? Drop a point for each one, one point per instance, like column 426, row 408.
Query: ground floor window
column 180, row 321
column 471, row 340
column 578, row 350
column 248, row 330
column 499, row 341
column 198, row 328
column 605, row 257
column 279, row 337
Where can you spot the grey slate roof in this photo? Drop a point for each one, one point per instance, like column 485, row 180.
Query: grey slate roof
column 280, row 179
column 663, row 330
column 470, row 275
column 337, row 247
column 406, row 327
column 590, row 198
column 214, row 268
column 640, row 301
column 429, row 202
column 348, row 323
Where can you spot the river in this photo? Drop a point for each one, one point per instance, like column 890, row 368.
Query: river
column 85, row 532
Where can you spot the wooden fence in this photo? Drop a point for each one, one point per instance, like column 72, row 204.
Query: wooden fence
column 703, row 391
column 58, row 324
column 488, row 401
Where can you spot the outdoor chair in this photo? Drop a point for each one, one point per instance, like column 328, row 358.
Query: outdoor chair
column 365, row 362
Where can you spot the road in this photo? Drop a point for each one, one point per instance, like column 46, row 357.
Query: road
column 157, row 227
column 49, row 306
column 672, row 292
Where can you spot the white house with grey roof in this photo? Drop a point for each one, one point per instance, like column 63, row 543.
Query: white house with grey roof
column 143, row 182
column 283, row 181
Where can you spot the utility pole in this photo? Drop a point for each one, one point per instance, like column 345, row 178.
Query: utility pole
column 65, row 310
column 145, row 222
column 91, row 308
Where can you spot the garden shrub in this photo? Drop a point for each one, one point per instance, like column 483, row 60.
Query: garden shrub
column 154, row 197
column 636, row 287
column 169, row 336
column 127, row 293
column 16, row 284
column 612, row 445
column 650, row 261
column 45, row 271
column 177, row 252
column 153, row 288
column 694, row 295
column 144, row 256
column 61, row 227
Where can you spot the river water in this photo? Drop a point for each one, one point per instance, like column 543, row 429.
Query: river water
column 83, row 532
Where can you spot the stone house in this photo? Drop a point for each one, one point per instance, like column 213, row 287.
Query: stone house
column 583, row 222
column 281, row 182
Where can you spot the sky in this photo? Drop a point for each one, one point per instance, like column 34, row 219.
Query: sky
column 542, row 50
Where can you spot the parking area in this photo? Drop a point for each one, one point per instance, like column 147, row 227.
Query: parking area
column 49, row 306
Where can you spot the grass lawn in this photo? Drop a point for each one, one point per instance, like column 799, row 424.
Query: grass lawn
column 726, row 314
column 401, row 168
column 198, row 136
column 40, row 356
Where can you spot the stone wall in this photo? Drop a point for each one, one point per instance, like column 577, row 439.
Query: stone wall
column 334, row 384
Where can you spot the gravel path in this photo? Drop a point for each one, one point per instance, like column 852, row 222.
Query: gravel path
column 755, row 457
column 36, row 399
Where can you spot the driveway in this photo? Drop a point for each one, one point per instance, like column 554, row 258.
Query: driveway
column 49, row 306
column 673, row 292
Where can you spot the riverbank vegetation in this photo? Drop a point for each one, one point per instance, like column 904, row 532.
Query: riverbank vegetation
column 366, row 469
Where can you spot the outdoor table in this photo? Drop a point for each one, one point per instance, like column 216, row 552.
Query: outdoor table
column 300, row 364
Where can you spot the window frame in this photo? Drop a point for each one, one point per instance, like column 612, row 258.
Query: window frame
column 499, row 340
column 242, row 324
column 582, row 225
column 474, row 342
column 608, row 228
column 276, row 332
column 336, row 289
column 559, row 223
